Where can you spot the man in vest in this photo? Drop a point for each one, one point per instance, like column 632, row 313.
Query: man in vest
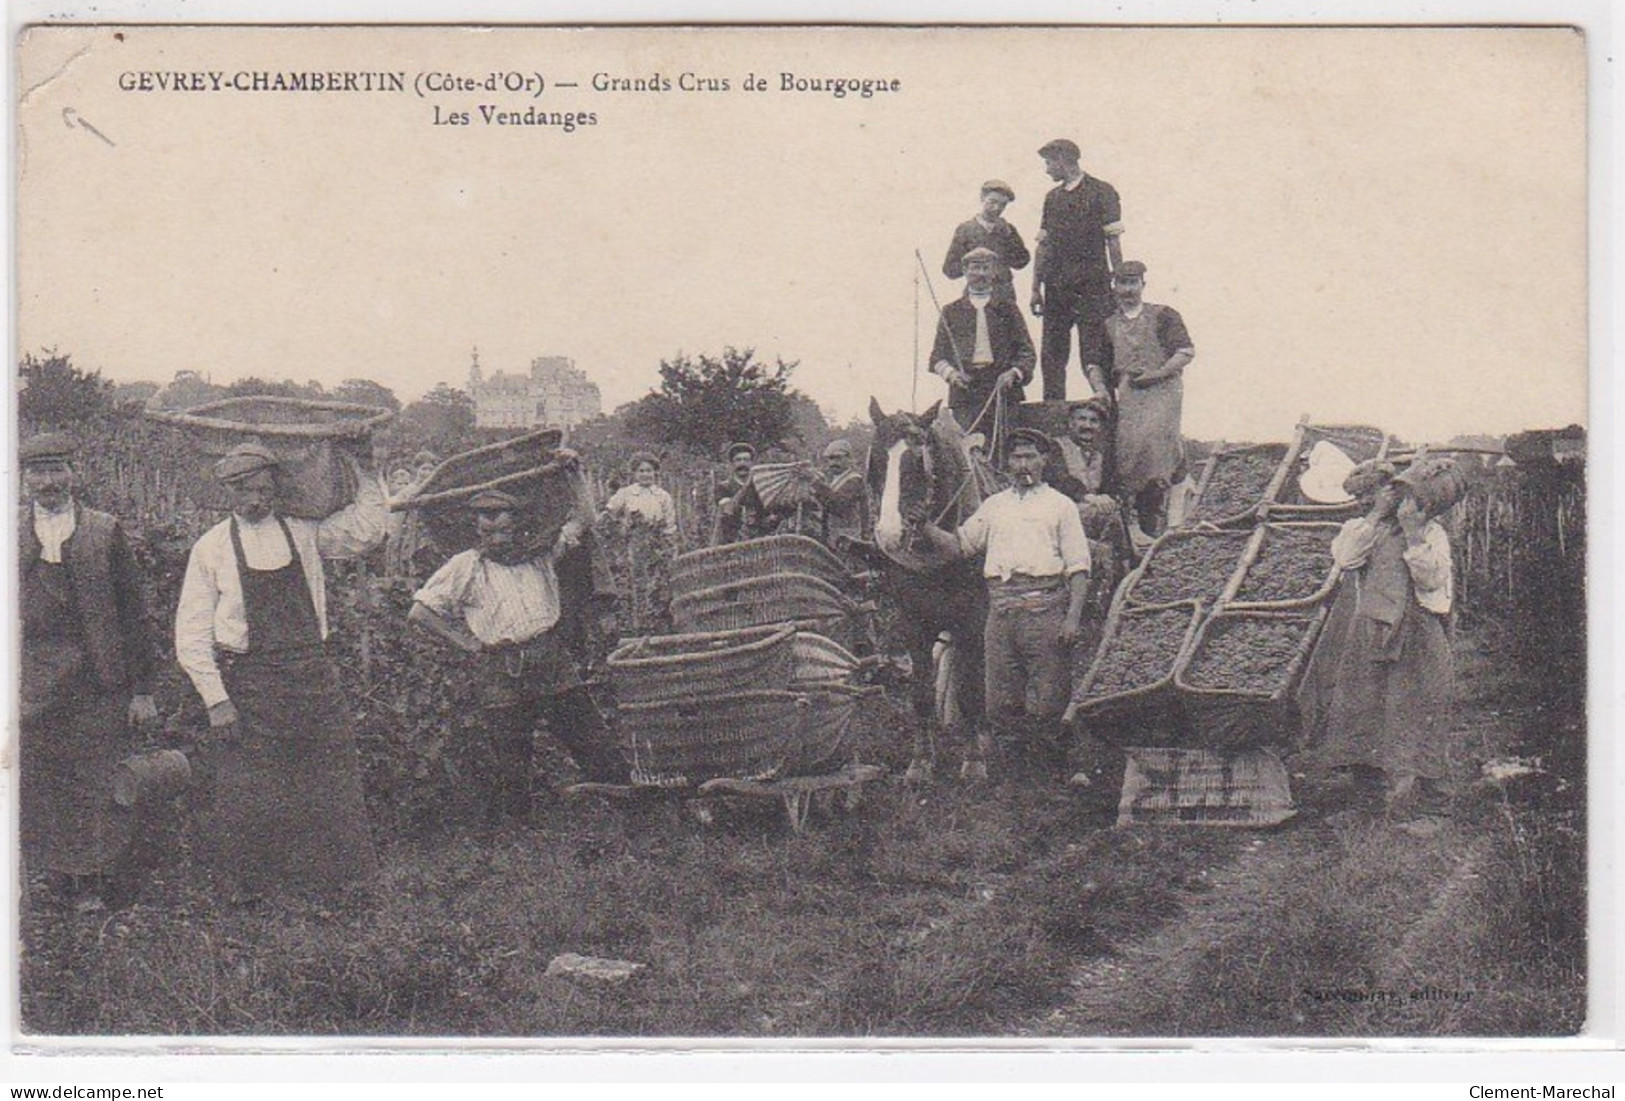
column 500, row 602
column 843, row 496
column 982, row 347
column 87, row 666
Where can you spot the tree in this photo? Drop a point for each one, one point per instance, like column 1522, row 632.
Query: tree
column 705, row 403
column 364, row 391
column 440, row 420
column 55, row 393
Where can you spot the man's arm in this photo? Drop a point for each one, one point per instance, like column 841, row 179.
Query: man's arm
column 131, row 605
column 1013, row 250
column 1077, row 590
column 1022, row 356
column 953, row 265
column 194, row 637
column 443, row 627
column 945, row 361
column 362, row 525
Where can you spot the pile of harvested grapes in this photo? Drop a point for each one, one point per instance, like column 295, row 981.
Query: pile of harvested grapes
column 1189, row 565
column 1246, row 654
column 1238, row 482
column 1292, row 564
column 1141, row 651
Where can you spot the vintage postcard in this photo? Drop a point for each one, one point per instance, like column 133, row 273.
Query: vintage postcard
column 863, row 536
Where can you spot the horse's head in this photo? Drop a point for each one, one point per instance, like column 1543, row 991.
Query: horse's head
column 918, row 469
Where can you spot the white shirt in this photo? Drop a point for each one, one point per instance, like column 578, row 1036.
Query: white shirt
column 52, row 529
column 500, row 604
column 650, row 502
column 1432, row 574
column 1034, row 532
column 210, row 613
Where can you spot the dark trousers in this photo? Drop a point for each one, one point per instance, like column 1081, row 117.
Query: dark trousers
column 1084, row 308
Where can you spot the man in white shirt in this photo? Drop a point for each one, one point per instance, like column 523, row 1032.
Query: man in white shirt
column 250, row 632
column 1037, row 573
column 501, row 603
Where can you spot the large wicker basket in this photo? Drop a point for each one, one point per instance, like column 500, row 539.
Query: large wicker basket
column 681, row 668
column 775, row 554
column 1234, row 718
column 319, row 445
column 759, row 601
column 528, row 467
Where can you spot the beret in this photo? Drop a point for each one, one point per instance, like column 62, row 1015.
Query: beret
column 243, row 460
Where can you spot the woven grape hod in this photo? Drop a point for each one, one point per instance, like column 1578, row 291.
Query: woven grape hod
column 318, row 445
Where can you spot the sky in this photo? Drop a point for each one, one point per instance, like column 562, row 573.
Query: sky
column 1379, row 226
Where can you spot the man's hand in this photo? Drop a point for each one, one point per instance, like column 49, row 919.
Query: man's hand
column 570, row 535
column 1010, row 378
column 143, row 711
column 1414, row 525
column 1037, row 305
column 952, row 375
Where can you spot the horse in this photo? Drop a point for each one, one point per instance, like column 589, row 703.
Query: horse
column 920, row 469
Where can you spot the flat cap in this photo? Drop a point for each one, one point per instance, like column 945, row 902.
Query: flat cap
column 841, row 448
column 492, row 500
column 741, row 448
column 983, row 254
column 47, row 447
column 1002, row 188
column 1061, row 147
column 1130, row 269
column 1031, row 436
column 243, row 460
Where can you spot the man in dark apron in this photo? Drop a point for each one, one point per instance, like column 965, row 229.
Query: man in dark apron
column 250, row 631
column 87, row 665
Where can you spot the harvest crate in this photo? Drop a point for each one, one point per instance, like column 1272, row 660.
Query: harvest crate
column 1238, row 680
column 1266, row 582
column 1189, row 564
column 1235, row 484
column 1118, row 708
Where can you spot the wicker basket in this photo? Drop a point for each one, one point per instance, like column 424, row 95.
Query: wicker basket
column 775, row 554
column 1360, row 442
column 1253, row 563
column 549, row 490
column 319, row 444
column 759, row 601
column 1124, row 717
column 1230, row 718
column 745, row 735
column 680, row 668
column 1256, row 490
column 1230, row 550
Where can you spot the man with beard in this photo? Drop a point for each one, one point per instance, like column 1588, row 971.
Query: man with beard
column 500, row 602
column 1078, row 249
column 989, row 230
column 1141, row 365
column 250, row 632
column 1037, row 572
column 982, row 347
column 87, row 665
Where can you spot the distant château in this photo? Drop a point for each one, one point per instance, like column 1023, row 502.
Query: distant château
column 555, row 394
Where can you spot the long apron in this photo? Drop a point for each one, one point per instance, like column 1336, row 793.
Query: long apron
column 1391, row 692
column 1148, row 444
column 73, row 733
column 288, row 809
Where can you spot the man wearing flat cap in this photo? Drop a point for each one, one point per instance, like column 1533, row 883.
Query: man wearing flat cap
column 989, row 230
column 982, row 347
column 499, row 601
column 1036, row 566
column 1141, row 368
column 842, row 496
column 739, row 514
column 87, row 666
column 250, row 632
column 1078, row 249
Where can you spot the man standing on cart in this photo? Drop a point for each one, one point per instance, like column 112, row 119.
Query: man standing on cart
column 1036, row 566
column 982, row 347
column 500, row 602
column 1078, row 249
column 1141, row 365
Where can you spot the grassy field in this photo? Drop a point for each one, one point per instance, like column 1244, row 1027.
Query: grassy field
column 1011, row 909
